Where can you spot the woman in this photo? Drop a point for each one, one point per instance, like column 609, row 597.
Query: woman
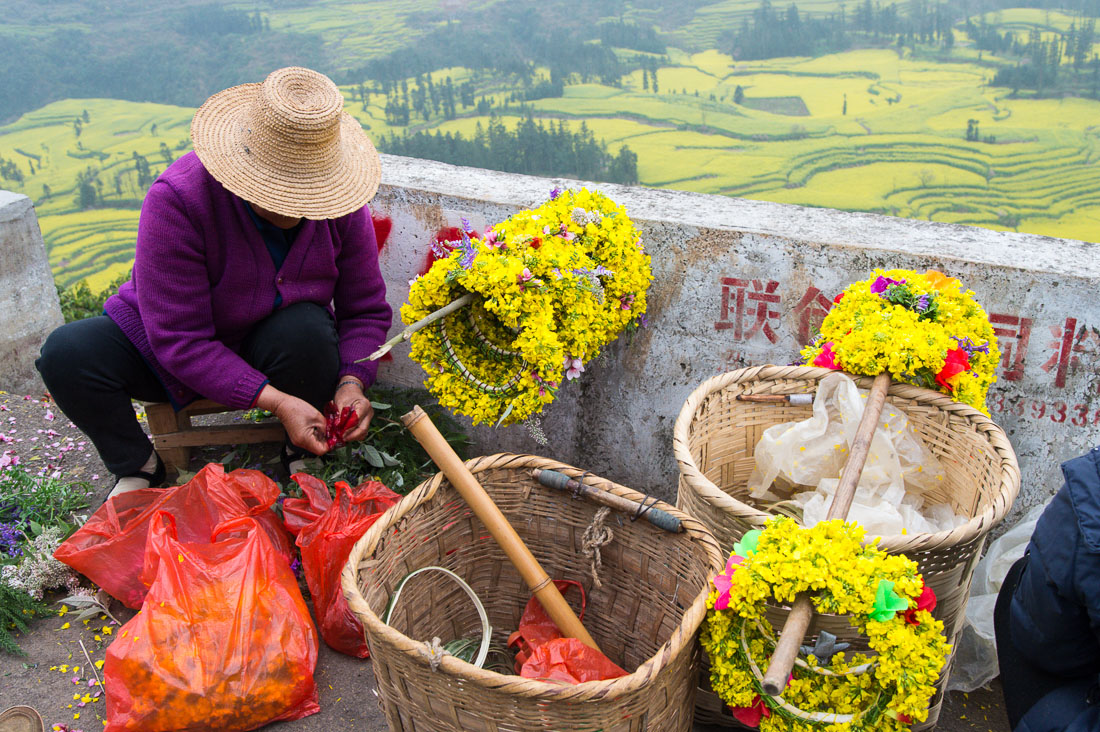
column 255, row 280
column 1047, row 618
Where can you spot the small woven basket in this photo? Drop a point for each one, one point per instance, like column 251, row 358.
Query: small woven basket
column 714, row 439
column 645, row 616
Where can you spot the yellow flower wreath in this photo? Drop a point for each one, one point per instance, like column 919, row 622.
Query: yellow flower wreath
column 922, row 328
column 885, row 598
column 553, row 285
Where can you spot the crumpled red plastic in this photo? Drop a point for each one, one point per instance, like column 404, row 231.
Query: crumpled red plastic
column 224, row 641
column 542, row 652
column 326, row 543
column 109, row 548
column 569, row 661
column 299, row 513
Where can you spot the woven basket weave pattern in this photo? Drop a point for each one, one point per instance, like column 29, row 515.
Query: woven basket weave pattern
column 644, row 617
column 715, row 436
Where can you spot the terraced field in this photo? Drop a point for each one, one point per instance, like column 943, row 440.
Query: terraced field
column 867, row 130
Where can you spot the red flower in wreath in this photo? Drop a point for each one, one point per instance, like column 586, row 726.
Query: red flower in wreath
column 926, row 601
column 751, row 716
column 957, row 362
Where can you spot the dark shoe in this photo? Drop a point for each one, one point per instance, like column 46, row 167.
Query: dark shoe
column 291, row 456
column 155, row 479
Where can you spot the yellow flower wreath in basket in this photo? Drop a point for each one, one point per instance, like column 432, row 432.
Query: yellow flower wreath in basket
column 542, row 293
column 925, row 329
column 885, row 599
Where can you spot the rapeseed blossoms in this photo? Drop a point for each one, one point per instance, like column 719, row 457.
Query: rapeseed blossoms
column 554, row 285
column 845, row 577
column 922, row 328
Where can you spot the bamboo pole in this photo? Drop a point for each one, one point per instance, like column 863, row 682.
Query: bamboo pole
column 425, row 432
column 802, row 610
column 407, row 333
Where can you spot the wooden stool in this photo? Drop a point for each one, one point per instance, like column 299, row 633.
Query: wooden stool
column 174, row 436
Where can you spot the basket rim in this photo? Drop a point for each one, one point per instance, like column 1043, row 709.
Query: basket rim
column 682, row 640
column 976, row 528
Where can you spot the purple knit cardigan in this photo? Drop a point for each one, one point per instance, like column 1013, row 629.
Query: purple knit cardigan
column 203, row 278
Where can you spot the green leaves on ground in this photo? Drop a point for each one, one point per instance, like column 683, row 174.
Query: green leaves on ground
column 31, row 503
column 16, row 608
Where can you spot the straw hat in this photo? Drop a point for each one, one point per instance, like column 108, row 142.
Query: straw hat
column 288, row 146
column 21, row 719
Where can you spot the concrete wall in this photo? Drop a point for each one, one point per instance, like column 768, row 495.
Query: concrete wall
column 741, row 282
column 28, row 298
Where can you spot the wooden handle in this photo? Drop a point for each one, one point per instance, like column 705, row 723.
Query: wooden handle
column 441, row 453
column 798, row 620
column 657, row 517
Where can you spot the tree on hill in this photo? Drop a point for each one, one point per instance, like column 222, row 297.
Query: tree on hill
column 87, row 194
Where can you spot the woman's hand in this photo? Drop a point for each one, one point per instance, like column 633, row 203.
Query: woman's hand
column 350, row 394
column 304, row 425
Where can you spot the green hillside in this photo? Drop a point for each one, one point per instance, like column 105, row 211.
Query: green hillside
column 913, row 128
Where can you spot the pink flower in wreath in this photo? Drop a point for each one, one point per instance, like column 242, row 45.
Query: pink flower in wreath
column 574, row 367
column 827, row 359
column 724, row 581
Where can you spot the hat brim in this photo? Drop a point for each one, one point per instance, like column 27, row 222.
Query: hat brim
column 221, row 134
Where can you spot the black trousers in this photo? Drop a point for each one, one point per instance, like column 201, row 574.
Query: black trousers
column 92, row 370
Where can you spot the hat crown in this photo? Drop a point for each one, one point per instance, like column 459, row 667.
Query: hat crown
column 300, row 106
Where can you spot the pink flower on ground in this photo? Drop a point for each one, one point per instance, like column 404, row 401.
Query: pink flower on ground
column 9, row 459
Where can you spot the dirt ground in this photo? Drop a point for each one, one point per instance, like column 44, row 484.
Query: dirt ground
column 55, row 670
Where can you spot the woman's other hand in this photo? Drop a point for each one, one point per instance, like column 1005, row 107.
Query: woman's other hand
column 304, row 425
column 349, row 393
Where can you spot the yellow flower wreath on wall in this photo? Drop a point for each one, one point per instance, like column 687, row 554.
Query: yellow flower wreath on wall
column 553, row 285
column 886, row 600
column 925, row 329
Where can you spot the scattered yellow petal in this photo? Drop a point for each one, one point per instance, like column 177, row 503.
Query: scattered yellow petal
column 99, row 663
column 64, row 609
column 65, row 626
column 107, row 630
column 180, row 557
column 98, row 637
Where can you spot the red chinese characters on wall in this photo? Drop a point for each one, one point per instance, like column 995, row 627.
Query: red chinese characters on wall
column 747, row 308
column 1067, row 344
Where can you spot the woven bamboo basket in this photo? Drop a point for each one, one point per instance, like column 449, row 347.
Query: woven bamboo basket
column 645, row 616
column 714, row 439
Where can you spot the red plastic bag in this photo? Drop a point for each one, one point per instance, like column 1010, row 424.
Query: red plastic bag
column 224, row 641
column 536, row 627
column 542, row 652
column 326, row 544
column 299, row 513
column 569, row 661
column 109, row 548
